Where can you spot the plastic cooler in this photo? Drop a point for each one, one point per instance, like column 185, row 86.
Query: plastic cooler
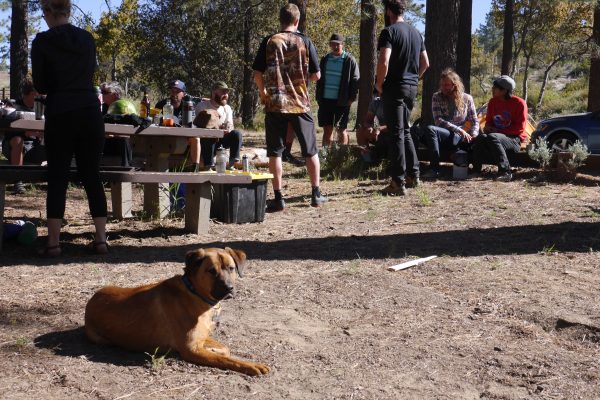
column 236, row 203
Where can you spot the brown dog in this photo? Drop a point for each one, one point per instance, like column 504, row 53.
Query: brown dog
column 176, row 313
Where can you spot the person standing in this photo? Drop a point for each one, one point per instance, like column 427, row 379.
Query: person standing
column 290, row 61
column 232, row 138
column 504, row 130
column 63, row 61
column 402, row 61
column 455, row 118
column 337, row 90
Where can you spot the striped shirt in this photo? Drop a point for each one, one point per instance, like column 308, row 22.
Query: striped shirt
column 333, row 76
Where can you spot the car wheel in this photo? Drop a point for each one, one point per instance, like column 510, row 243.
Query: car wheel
column 561, row 142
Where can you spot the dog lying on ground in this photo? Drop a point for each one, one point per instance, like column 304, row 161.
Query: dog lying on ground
column 176, row 313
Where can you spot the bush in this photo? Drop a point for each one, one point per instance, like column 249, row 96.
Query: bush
column 540, row 153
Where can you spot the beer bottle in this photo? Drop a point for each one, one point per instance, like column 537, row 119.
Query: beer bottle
column 145, row 106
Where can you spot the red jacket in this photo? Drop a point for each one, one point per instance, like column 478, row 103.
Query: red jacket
column 507, row 116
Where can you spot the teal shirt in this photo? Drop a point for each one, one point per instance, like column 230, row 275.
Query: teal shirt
column 333, row 76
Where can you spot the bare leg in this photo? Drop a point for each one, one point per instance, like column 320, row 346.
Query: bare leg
column 16, row 150
column 276, row 169
column 100, row 224
column 314, row 170
column 327, row 135
column 194, row 144
column 54, row 225
column 342, row 136
column 289, row 137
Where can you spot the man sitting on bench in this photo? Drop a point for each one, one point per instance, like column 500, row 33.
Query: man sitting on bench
column 24, row 146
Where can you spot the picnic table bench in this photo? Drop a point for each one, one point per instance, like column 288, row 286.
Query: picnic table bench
column 198, row 194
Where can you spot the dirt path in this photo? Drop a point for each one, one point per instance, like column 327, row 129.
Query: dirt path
column 510, row 308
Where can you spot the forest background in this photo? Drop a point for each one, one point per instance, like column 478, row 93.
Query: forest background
column 548, row 46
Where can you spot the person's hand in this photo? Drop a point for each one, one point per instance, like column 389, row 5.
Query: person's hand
column 465, row 135
column 379, row 90
column 264, row 96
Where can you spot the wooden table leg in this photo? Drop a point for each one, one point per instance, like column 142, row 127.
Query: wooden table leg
column 2, row 203
column 121, row 194
column 197, row 207
column 156, row 195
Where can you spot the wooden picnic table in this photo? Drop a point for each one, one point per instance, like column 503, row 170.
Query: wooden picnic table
column 157, row 143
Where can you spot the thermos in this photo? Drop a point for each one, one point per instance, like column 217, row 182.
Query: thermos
column 188, row 113
column 245, row 163
column 38, row 107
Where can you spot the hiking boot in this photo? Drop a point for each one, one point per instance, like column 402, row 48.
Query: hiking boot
column 413, row 182
column 505, row 176
column 18, row 188
column 318, row 199
column 394, row 189
column 288, row 157
column 275, row 205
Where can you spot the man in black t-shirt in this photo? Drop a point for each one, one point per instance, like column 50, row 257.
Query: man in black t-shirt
column 402, row 61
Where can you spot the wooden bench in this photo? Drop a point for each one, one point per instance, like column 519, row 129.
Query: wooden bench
column 198, row 194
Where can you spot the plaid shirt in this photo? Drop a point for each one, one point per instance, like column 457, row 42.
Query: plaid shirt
column 465, row 119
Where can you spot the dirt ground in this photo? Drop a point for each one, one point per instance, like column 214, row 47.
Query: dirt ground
column 510, row 309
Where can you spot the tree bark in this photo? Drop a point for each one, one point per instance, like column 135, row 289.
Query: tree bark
column 441, row 37
column 463, row 50
column 544, row 83
column 507, row 51
column 368, row 57
column 249, row 97
column 526, row 76
column 594, row 85
column 19, row 48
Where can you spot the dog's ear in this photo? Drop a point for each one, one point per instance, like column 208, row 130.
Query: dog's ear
column 239, row 257
column 192, row 257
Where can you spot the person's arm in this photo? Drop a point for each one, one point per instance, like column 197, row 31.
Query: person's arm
column 354, row 80
column 260, row 84
column 489, row 118
column 472, row 118
column 438, row 114
column 383, row 63
column 228, row 125
column 314, row 76
column 423, row 63
column 314, row 71
column 37, row 68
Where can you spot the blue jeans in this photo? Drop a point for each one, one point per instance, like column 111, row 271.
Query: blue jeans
column 437, row 138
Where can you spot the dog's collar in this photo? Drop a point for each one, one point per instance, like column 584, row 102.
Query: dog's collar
column 188, row 284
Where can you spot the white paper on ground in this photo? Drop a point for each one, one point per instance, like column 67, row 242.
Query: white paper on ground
column 411, row 263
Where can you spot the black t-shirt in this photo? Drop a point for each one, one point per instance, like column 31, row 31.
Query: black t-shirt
column 406, row 44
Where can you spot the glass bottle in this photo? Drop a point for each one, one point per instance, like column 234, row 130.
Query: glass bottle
column 168, row 114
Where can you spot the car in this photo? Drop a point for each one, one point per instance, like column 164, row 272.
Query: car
column 561, row 132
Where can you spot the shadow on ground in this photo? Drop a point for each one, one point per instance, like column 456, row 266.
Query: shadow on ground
column 528, row 239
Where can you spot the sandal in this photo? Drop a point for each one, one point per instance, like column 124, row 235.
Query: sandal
column 50, row 252
column 99, row 247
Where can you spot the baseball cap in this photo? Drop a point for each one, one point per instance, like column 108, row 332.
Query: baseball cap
column 336, row 38
column 505, row 82
column 221, row 85
column 177, row 84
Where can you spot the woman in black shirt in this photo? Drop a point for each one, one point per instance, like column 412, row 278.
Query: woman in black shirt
column 63, row 61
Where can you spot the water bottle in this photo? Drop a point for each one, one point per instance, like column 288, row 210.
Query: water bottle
column 188, row 113
column 245, row 163
column 221, row 160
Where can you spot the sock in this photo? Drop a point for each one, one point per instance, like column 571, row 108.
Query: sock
column 277, row 195
column 315, row 191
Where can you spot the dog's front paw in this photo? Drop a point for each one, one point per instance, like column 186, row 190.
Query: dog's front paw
column 254, row 369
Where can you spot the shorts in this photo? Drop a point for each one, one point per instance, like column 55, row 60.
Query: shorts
column 33, row 151
column 330, row 114
column 276, row 125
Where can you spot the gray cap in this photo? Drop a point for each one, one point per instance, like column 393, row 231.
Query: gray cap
column 505, row 82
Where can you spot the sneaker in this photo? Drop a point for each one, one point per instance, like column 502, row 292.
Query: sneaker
column 505, row 176
column 431, row 174
column 275, row 205
column 318, row 200
column 288, row 157
column 413, row 182
column 394, row 189
column 18, row 188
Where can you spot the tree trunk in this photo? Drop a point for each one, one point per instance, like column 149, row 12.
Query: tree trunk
column 525, row 93
column 543, row 88
column 463, row 50
column 594, row 85
column 441, row 37
column 19, row 48
column 302, row 6
column 248, row 92
column 368, row 57
column 507, row 51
